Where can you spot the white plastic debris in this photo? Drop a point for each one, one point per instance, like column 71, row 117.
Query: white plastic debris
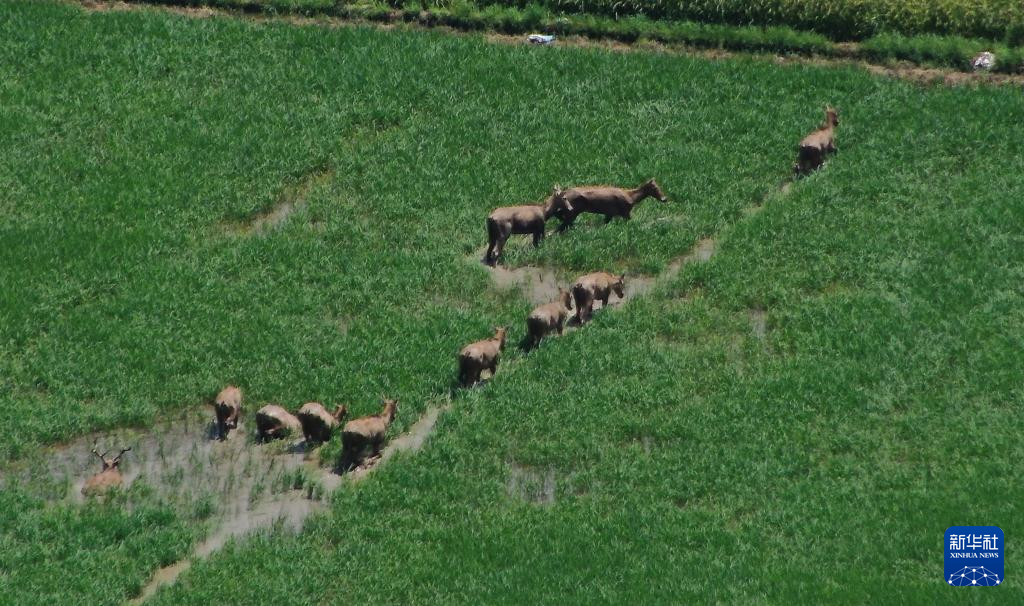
column 984, row 60
column 540, row 39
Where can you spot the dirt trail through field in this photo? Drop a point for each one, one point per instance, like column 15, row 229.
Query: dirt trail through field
column 290, row 508
column 293, row 198
column 246, row 485
column 539, row 285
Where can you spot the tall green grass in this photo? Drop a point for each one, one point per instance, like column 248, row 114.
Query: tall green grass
column 688, row 459
column 928, row 49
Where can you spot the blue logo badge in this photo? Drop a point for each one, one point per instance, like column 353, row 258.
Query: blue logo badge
column 974, row 555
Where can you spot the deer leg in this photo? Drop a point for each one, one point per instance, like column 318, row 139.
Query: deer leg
column 500, row 248
column 489, row 255
column 538, row 237
column 560, row 327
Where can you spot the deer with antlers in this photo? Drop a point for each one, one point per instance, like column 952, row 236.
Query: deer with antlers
column 107, row 478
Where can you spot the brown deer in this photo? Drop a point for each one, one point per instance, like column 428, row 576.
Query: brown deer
column 606, row 200
column 506, row 221
column 108, row 478
column 366, row 433
column 815, row 146
column 273, row 422
column 548, row 317
column 318, row 424
column 228, row 405
column 595, row 286
column 475, row 357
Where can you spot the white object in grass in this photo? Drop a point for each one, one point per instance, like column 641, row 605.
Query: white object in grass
column 984, row 60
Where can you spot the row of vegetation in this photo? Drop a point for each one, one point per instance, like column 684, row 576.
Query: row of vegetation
column 840, row 20
column 837, row 19
column 953, row 51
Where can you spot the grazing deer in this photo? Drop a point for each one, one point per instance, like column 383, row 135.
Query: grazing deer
column 273, row 422
column 548, row 317
column 815, row 146
column 595, row 286
column 475, row 357
column 506, row 221
column 366, row 433
column 606, row 200
column 318, row 424
column 228, row 405
column 108, row 478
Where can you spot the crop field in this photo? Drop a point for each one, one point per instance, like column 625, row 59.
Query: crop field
column 810, row 381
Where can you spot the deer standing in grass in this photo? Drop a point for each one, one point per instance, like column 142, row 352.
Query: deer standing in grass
column 549, row 317
column 273, row 422
column 317, row 424
column 227, row 405
column 530, row 219
column 476, row 357
column 606, row 200
column 108, row 478
column 366, row 433
column 817, row 145
column 596, row 286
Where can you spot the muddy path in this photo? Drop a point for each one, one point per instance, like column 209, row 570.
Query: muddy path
column 289, row 509
column 247, row 485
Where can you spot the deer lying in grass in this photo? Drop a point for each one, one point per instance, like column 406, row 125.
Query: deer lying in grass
column 366, row 433
column 273, row 422
column 815, row 146
column 606, row 200
column 595, row 286
column 318, row 424
column 228, row 405
column 548, row 317
column 108, row 478
column 506, row 221
column 475, row 357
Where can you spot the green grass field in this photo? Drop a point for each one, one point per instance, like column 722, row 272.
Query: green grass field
column 666, row 453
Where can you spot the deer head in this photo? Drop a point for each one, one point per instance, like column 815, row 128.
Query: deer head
column 557, row 204
column 831, row 116
column 651, row 189
column 390, row 409
column 499, row 336
column 565, row 298
column 619, row 286
column 109, row 463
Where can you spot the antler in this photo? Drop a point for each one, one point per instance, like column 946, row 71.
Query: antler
column 117, row 459
column 103, row 457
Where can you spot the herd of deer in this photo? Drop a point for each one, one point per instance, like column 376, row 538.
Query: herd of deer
column 568, row 204
column 363, row 438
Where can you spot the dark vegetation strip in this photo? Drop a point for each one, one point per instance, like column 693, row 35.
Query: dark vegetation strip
column 949, row 50
column 836, row 19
